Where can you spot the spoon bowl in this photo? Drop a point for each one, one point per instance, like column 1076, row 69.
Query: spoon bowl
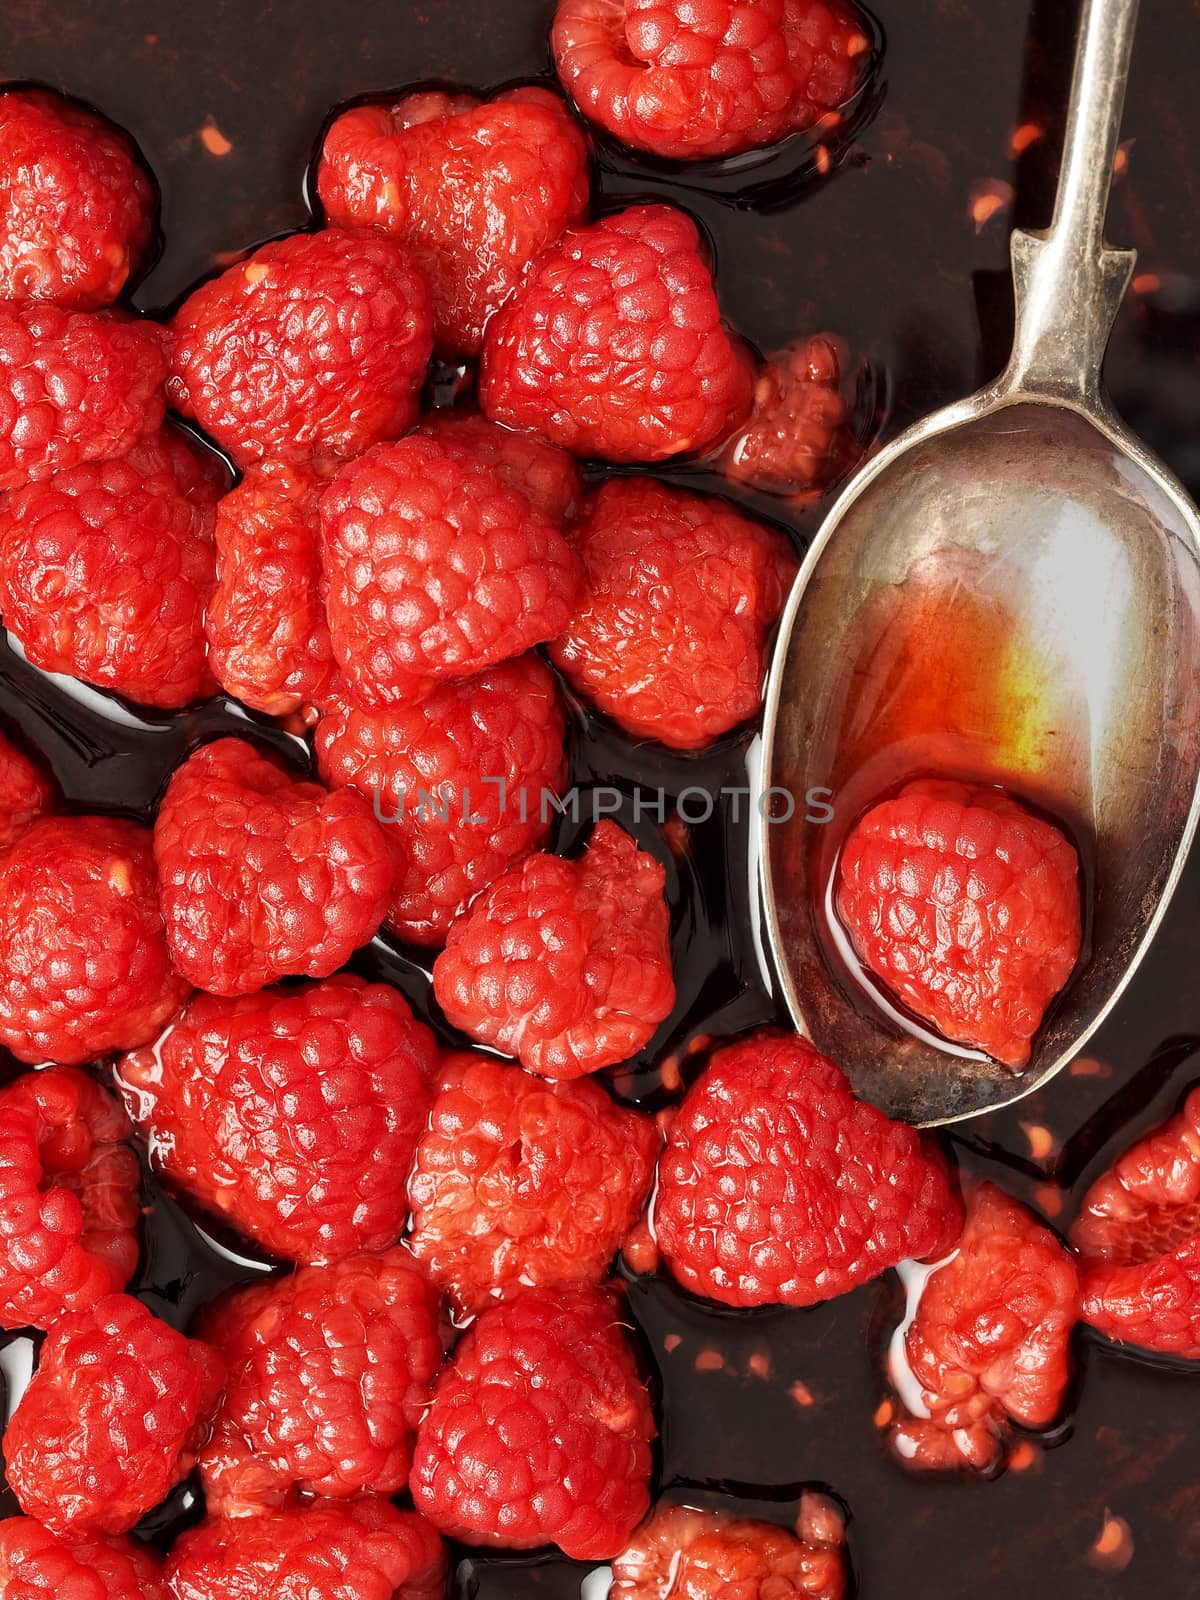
column 1009, row 594
column 1013, row 596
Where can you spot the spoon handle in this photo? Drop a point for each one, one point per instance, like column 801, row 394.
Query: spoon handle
column 1068, row 285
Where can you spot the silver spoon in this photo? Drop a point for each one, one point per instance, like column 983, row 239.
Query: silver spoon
column 1009, row 591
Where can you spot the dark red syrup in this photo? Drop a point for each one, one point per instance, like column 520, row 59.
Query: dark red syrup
column 901, row 250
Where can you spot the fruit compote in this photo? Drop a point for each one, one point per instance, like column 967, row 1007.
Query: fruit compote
column 900, row 250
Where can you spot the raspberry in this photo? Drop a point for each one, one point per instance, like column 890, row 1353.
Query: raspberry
column 111, row 1420
column 1138, row 1234
column 548, row 477
column 436, row 569
column 315, row 343
column 460, row 781
column 967, row 907
column 69, row 1197
column 105, row 571
column 25, row 791
column 267, row 633
column 36, row 1564
column 73, row 388
column 293, row 1113
column 363, row 1551
column 564, row 964
column 614, row 347
column 693, row 80
column 668, row 636
column 798, row 440
column 76, row 206
column 474, row 190
column 989, row 1340
column 200, row 474
column 84, row 968
column 778, row 1187
column 328, row 1374
column 539, row 1430
column 262, row 875
column 519, row 1183
column 708, row 1555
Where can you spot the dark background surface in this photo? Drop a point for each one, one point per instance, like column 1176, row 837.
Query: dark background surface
column 887, row 253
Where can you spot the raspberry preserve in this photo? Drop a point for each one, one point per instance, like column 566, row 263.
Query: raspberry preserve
column 899, row 251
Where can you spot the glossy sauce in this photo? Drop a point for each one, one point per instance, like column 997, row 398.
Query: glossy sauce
column 902, row 251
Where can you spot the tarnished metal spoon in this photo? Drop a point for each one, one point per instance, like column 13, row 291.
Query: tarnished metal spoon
column 1009, row 591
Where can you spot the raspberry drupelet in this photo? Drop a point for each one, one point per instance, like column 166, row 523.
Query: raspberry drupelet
column 263, row 875
column 689, row 1554
column 292, row 1114
column 519, row 1183
column 267, row 633
column 989, row 1341
column 1138, row 1238
column 76, row 205
column 105, row 572
column 74, row 387
column 694, row 80
column 436, row 569
column 539, row 1430
column 461, row 781
column 84, row 965
column 365, row 1550
column 328, row 1373
column 315, row 344
column 668, row 635
column 966, row 906
column 565, row 965
column 36, row 1564
column 778, row 1187
column 111, row 1420
column 70, row 1198
column 614, row 346
column 475, row 190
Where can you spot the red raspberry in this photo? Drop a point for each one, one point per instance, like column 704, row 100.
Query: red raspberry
column 474, row 190
column 550, row 478
column 200, row 474
column 366, row 1550
column 989, row 1339
column 73, row 388
column 84, row 968
column 436, row 569
column 69, row 1197
column 615, row 347
column 262, row 875
column 692, row 80
column 519, row 1183
column 778, row 1187
column 539, row 1430
column 967, row 907
column 707, row 1555
column 460, row 781
column 25, row 792
column 315, row 343
column 76, row 205
column 105, row 571
column 293, row 1113
column 267, row 634
column 798, row 440
column 111, row 1420
column 1138, row 1234
column 669, row 632
column 564, row 964
column 36, row 1564
column 328, row 1373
